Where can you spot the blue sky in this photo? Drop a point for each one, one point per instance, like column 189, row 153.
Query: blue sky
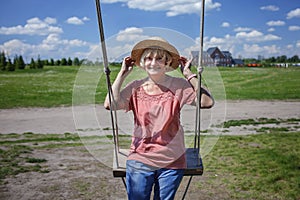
column 69, row 28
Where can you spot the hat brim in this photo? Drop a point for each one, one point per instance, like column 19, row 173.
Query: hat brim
column 139, row 48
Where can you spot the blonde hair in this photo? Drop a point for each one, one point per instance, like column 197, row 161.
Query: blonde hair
column 157, row 52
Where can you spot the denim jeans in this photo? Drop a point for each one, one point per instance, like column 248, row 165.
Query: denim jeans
column 140, row 179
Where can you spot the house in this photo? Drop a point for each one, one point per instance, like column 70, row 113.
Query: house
column 206, row 59
column 215, row 57
column 221, row 58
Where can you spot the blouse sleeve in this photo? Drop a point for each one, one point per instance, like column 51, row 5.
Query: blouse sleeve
column 126, row 94
column 187, row 93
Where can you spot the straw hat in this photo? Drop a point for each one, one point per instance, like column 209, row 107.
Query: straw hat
column 155, row 42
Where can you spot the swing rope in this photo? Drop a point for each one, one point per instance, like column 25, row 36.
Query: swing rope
column 198, row 105
column 107, row 71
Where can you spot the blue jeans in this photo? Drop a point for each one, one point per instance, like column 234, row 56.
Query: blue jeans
column 140, row 179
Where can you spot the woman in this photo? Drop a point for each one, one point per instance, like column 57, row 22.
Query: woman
column 157, row 152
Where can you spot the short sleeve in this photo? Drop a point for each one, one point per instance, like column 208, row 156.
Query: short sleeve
column 184, row 92
column 126, row 94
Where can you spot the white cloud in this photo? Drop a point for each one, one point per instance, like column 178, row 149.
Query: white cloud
column 86, row 19
column 51, row 47
column 294, row 28
column 34, row 26
column 271, row 29
column 119, row 45
column 50, row 20
column 255, row 49
column 239, row 29
column 251, row 34
column 225, row 24
column 293, row 13
column 276, row 23
column 14, row 47
column 76, row 21
column 256, row 36
column 270, row 8
column 130, row 34
column 172, row 8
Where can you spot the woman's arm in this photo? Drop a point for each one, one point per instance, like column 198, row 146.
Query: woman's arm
column 117, row 101
column 207, row 100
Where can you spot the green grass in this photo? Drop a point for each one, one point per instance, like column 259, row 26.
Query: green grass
column 257, row 121
column 264, row 166
column 56, row 86
column 52, row 86
column 261, row 83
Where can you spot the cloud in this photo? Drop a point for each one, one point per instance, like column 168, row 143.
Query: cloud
column 50, row 20
column 271, row 29
column 119, row 45
column 34, row 26
column 294, row 28
column 130, row 34
column 270, row 8
column 240, row 43
column 239, row 29
column 256, row 36
column 293, row 13
column 225, row 24
column 15, row 46
column 172, row 8
column 255, row 49
column 276, row 23
column 76, row 21
column 51, row 47
column 251, row 34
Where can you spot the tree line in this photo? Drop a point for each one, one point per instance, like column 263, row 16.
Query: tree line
column 8, row 64
column 278, row 59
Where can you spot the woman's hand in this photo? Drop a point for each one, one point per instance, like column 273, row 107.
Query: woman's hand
column 127, row 66
column 185, row 66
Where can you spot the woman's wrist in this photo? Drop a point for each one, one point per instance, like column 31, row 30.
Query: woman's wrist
column 188, row 78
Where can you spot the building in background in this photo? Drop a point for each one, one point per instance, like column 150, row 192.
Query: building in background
column 215, row 57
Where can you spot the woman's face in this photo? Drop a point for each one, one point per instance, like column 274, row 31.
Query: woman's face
column 155, row 64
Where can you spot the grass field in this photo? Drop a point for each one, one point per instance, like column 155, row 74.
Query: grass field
column 55, row 86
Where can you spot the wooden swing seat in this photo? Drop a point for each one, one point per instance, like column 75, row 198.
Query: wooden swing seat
column 194, row 163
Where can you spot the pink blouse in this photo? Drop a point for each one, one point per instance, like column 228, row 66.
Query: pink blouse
column 158, row 137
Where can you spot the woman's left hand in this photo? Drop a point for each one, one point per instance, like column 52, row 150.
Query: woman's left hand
column 185, row 65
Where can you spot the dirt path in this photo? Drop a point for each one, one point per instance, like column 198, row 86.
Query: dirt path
column 72, row 119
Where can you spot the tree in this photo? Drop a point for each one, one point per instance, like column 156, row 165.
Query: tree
column 10, row 66
column 281, row 59
column 64, row 62
column 3, row 61
column 76, row 62
column 70, row 62
column 57, row 63
column 32, row 64
column 39, row 63
column 294, row 59
column 51, row 62
column 19, row 62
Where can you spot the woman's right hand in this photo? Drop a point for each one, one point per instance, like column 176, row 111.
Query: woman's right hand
column 127, row 66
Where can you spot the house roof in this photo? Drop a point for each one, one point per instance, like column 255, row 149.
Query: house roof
column 211, row 50
column 238, row 61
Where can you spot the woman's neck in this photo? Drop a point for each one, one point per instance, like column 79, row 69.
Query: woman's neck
column 158, row 79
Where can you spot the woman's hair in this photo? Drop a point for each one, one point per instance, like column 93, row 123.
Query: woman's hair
column 157, row 52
